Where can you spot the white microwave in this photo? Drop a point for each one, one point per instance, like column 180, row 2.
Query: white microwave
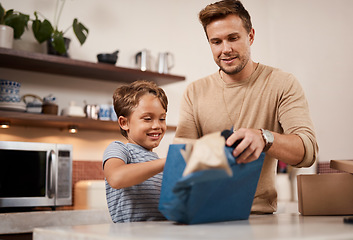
column 35, row 174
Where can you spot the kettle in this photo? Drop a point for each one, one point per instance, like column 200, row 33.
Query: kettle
column 35, row 106
column 91, row 111
column 141, row 60
column 165, row 62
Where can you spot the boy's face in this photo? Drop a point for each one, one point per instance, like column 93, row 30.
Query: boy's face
column 146, row 125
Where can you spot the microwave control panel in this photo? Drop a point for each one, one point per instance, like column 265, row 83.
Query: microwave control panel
column 64, row 174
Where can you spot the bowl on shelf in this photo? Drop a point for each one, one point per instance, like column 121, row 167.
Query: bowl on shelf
column 9, row 91
column 110, row 58
column 10, row 98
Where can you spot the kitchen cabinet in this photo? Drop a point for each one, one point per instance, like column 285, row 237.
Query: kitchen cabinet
column 50, row 64
column 23, row 236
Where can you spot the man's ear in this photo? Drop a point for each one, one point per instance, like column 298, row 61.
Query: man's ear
column 251, row 36
column 124, row 123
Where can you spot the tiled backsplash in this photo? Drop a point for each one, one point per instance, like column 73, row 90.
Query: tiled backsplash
column 92, row 170
column 86, row 170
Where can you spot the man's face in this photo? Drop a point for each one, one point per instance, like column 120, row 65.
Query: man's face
column 230, row 43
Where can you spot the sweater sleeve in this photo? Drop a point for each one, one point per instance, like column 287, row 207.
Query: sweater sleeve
column 295, row 118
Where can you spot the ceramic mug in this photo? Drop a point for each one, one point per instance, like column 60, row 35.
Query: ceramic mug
column 113, row 115
column 104, row 112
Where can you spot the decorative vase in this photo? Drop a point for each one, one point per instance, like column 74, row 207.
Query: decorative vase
column 6, row 36
column 51, row 50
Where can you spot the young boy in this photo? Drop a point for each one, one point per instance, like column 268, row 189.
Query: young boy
column 133, row 173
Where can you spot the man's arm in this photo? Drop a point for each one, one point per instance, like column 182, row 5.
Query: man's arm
column 288, row 148
column 121, row 175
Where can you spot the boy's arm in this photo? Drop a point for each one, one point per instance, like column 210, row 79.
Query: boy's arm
column 121, row 175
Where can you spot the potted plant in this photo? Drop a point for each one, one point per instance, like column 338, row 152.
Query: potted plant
column 13, row 25
column 44, row 30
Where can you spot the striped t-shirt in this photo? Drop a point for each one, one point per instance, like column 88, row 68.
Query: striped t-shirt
column 139, row 202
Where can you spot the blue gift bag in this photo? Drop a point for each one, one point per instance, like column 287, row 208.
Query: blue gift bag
column 207, row 195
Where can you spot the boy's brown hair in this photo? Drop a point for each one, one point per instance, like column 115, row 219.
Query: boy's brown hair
column 222, row 9
column 127, row 97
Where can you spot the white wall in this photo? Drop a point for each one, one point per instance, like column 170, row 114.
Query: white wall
column 308, row 38
column 313, row 39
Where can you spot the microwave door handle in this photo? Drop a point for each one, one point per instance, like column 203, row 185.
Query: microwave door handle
column 51, row 175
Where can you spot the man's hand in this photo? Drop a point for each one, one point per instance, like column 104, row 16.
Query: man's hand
column 250, row 147
column 288, row 148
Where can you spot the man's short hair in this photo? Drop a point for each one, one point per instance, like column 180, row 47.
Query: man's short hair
column 222, row 9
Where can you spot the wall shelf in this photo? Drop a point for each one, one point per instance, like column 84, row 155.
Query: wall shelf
column 50, row 64
column 60, row 122
column 44, row 63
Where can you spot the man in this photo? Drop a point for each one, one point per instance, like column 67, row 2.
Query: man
column 265, row 106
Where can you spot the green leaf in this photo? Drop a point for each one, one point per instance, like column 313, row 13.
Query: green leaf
column 80, row 31
column 8, row 13
column 18, row 22
column 2, row 14
column 58, row 42
column 42, row 30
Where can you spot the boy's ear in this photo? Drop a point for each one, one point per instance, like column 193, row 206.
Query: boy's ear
column 123, row 122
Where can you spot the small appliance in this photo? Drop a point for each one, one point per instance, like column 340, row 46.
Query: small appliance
column 35, row 174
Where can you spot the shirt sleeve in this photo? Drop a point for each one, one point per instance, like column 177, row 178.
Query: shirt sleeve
column 187, row 126
column 116, row 149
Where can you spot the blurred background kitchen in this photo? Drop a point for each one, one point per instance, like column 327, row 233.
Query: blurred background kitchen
column 311, row 39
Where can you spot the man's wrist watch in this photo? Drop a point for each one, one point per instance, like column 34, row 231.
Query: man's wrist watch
column 268, row 138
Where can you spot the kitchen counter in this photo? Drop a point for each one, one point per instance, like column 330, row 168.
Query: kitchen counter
column 25, row 222
column 275, row 226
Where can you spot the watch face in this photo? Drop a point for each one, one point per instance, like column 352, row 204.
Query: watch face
column 269, row 136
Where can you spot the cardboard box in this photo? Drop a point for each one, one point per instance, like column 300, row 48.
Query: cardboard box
column 327, row 194
column 343, row 165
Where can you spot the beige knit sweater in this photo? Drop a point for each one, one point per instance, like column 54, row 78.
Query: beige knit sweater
column 269, row 99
